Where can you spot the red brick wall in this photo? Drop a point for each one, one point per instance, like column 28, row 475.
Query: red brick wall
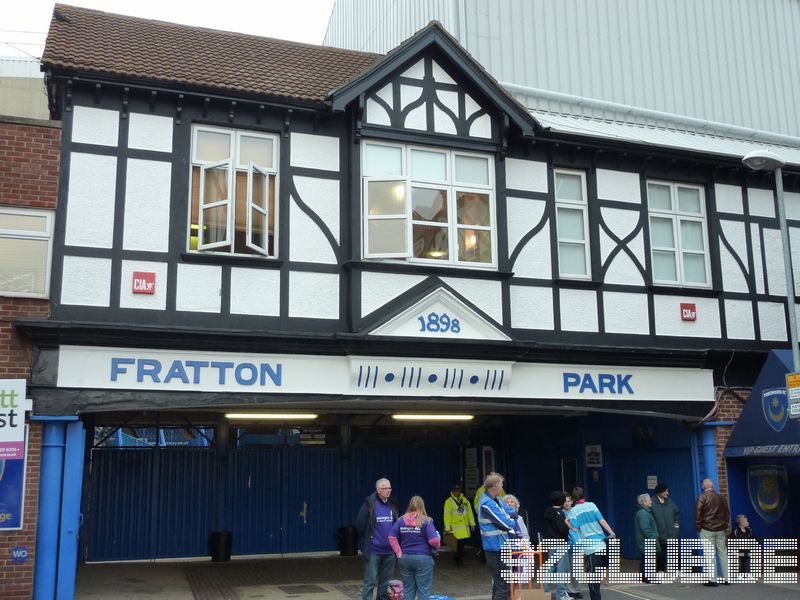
column 29, row 159
column 29, row 162
column 730, row 405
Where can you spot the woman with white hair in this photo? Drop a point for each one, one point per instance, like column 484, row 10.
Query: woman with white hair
column 646, row 529
column 519, row 526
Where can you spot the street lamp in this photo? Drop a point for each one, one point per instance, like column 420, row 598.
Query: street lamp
column 764, row 160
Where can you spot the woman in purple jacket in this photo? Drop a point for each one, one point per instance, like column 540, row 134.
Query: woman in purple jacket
column 413, row 539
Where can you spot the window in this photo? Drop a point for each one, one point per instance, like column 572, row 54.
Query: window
column 25, row 250
column 428, row 205
column 678, row 236
column 234, row 186
column 572, row 224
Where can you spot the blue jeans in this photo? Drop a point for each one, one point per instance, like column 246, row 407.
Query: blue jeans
column 417, row 573
column 562, row 566
column 378, row 570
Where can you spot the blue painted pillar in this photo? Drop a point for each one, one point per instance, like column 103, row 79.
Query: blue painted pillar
column 61, row 461
column 70, row 511
column 709, row 444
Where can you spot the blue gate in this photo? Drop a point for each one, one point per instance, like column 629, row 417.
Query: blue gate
column 627, row 473
column 284, row 499
column 426, row 472
column 160, row 502
column 149, row 503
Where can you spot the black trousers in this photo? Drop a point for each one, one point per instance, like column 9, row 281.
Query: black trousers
column 501, row 589
column 459, row 554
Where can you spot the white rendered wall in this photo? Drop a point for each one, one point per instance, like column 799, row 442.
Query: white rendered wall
column 147, row 202
column 772, row 321
column 578, row 310
column 314, row 151
column 532, row 307
column 156, row 301
column 90, row 200
column 729, row 199
column 486, row 295
column 199, row 288
column 622, row 186
column 761, row 202
column 313, row 295
column 86, row 281
column 626, row 313
column 526, row 175
column 739, row 320
column 256, row 292
column 733, row 278
column 377, row 289
column 95, row 126
column 150, row 132
column 668, row 317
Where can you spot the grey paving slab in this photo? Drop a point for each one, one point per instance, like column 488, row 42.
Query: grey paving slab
column 339, row 578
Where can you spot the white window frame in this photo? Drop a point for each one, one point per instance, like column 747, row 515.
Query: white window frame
column 31, row 235
column 677, row 216
column 583, row 206
column 452, row 188
column 228, row 201
column 234, row 166
column 252, row 170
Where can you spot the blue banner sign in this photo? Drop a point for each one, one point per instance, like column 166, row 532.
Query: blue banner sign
column 12, row 491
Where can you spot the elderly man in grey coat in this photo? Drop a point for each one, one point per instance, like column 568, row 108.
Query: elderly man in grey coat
column 668, row 520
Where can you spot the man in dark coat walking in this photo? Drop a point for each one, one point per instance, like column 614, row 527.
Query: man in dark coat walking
column 668, row 520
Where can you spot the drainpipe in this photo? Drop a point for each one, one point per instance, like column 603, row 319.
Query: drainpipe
column 709, row 443
column 49, row 518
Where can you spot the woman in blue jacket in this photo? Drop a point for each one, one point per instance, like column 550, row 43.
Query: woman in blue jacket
column 414, row 539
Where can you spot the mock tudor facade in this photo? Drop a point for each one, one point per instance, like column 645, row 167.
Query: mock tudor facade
column 357, row 235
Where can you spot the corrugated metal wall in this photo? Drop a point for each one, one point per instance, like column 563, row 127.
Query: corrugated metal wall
column 379, row 25
column 731, row 61
column 149, row 504
column 426, row 472
column 629, row 472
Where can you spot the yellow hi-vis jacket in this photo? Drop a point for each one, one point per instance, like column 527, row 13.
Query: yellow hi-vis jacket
column 458, row 516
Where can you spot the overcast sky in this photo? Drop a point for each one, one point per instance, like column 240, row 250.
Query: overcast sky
column 24, row 23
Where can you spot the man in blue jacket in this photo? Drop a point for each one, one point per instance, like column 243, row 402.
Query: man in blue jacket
column 373, row 524
column 496, row 522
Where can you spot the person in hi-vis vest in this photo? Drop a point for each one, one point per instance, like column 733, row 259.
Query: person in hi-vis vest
column 458, row 520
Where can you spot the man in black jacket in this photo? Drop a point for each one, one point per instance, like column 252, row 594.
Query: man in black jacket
column 373, row 524
column 668, row 520
column 556, row 527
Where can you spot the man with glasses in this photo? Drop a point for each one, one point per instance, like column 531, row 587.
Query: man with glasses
column 373, row 524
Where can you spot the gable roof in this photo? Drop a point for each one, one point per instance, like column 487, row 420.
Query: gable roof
column 434, row 35
column 107, row 44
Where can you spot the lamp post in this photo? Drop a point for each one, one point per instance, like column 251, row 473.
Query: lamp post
column 764, row 160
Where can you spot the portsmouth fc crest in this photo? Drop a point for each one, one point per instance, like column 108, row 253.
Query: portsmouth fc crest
column 769, row 490
column 775, row 404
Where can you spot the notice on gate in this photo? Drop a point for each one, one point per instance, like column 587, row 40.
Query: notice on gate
column 793, row 393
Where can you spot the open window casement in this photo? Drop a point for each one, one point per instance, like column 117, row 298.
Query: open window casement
column 387, row 226
column 258, row 196
column 216, row 193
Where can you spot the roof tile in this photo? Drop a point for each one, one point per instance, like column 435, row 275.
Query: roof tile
column 109, row 44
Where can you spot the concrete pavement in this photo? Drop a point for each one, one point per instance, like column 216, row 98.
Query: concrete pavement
column 339, row 578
